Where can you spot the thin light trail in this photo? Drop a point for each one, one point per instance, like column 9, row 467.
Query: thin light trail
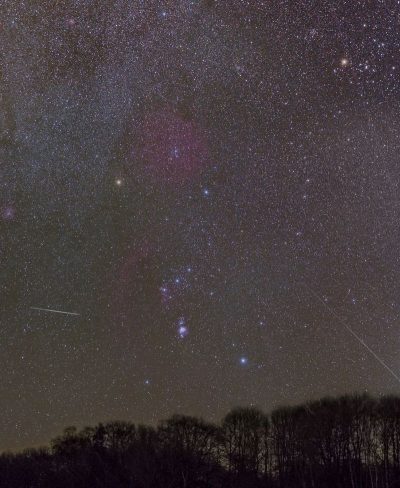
column 54, row 311
column 351, row 331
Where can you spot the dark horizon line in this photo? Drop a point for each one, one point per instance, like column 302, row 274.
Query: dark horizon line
column 280, row 407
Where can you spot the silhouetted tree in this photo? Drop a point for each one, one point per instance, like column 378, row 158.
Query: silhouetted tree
column 244, row 432
column 191, row 448
column 345, row 442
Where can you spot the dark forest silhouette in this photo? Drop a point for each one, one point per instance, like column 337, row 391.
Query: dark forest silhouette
column 348, row 442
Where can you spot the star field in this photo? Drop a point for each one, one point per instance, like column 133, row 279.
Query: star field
column 213, row 189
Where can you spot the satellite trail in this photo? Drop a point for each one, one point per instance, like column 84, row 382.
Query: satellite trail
column 54, row 311
column 351, row 331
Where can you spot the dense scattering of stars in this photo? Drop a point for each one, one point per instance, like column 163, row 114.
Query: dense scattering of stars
column 196, row 179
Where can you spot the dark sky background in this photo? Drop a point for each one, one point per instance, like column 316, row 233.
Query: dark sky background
column 213, row 187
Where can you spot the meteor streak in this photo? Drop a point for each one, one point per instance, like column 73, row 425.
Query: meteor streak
column 351, row 331
column 54, row 311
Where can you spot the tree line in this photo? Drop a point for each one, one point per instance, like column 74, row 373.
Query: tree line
column 345, row 442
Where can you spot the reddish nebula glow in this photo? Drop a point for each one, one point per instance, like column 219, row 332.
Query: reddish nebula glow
column 173, row 149
column 135, row 288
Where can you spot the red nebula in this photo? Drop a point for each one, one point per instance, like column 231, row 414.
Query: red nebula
column 135, row 287
column 172, row 148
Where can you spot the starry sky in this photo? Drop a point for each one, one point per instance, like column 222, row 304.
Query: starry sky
column 210, row 189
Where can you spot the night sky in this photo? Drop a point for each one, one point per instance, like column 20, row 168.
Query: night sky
column 211, row 191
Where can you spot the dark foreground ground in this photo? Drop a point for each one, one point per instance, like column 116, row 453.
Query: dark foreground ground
column 348, row 442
